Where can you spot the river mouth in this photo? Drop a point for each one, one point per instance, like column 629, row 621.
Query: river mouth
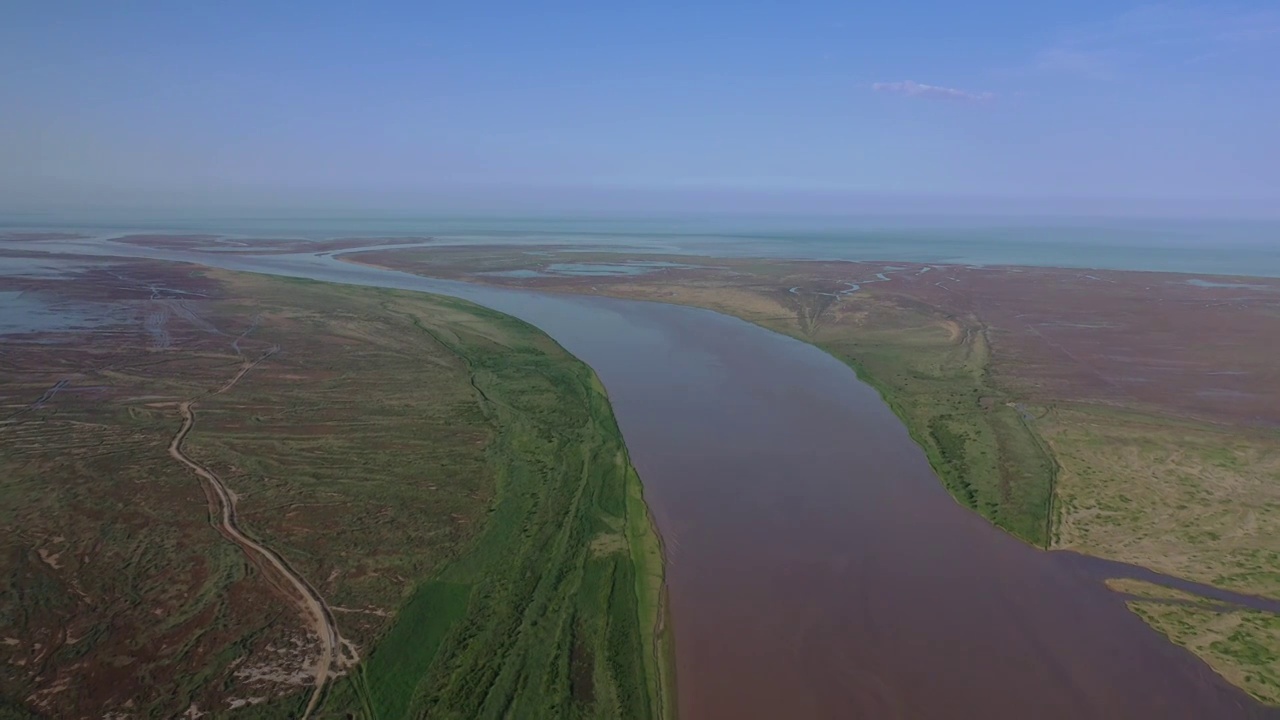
column 816, row 568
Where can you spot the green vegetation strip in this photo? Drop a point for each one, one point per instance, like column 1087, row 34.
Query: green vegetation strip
column 933, row 372
column 554, row 609
column 1239, row 645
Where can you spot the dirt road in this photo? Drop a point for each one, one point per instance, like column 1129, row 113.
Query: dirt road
column 222, row 513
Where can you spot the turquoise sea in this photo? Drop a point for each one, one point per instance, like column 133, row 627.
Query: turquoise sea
column 1201, row 246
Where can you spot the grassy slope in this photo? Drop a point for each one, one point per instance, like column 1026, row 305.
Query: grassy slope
column 552, row 610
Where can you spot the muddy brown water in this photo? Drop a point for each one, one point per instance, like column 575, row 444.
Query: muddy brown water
column 816, row 567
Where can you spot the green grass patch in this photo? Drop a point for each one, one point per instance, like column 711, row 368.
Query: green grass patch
column 551, row 625
column 982, row 449
column 1240, row 645
column 396, row 667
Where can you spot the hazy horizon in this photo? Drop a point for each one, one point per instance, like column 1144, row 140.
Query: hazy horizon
column 620, row 204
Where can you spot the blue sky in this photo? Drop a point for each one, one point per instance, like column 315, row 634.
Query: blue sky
column 787, row 105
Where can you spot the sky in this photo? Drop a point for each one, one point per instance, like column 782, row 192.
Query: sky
column 788, row 106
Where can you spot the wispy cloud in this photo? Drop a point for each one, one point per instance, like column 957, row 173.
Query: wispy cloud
column 910, row 88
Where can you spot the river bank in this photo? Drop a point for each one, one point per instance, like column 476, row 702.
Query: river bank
column 1091, row 411
column 815, row 565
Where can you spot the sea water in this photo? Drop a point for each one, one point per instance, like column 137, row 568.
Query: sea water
column 1201, row 246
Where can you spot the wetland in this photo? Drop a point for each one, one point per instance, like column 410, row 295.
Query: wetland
column 815, row 564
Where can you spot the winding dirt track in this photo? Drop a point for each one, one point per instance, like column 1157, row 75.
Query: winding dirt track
column 222, row 514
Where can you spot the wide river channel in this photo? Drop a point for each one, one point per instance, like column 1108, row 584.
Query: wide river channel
column 816, row 567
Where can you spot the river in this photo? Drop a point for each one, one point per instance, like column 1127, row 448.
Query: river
column 816, row 566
